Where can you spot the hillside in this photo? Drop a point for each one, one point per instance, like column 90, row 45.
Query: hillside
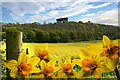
column 62, row 32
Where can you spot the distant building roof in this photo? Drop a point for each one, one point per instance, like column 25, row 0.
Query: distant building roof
column 61, row 20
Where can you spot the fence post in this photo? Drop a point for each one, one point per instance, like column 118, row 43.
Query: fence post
column 13, row 45
column 0, row 66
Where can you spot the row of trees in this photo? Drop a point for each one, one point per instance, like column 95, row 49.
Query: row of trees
column 36, row 35
column 62, row 32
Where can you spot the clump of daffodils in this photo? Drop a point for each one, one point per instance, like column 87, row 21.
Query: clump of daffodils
column 66, row 69
column 94, row 60
column 90, row 64
column 47, row 69
column 43, row 52
column 23, row 67
column 110, row 50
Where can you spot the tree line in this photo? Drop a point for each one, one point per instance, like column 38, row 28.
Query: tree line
column 62, row 32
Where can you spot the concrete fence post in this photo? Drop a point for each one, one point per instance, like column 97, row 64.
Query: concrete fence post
column 13, row 45
column 0, row 66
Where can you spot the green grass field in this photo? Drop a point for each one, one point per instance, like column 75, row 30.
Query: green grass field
column 61, row 50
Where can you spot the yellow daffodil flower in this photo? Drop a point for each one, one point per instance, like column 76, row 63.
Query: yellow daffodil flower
column 22, row 67
column 43, row 52
column 47, row 69
column 109, row 50
column 90, row 64
column 66, row 69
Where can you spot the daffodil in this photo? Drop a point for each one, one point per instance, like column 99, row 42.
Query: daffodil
column 66, row 69
column 109, row 50
column 47, row 69
column 43, row 52
column 90, row 64
column 23, row 67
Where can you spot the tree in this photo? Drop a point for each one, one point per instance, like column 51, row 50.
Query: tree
column 42, row 36
column 64, row 36
column 73, row 35
column 30, row 35
column 54, row 37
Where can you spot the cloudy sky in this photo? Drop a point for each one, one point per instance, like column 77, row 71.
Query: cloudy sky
column 99, row 11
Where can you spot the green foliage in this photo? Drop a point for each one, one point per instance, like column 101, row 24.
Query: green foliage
column 64, row 36
column 62, row 32
column 29, row 35
column 73, row 35
column 54, row 37
column 12, row 29
column 42, row 36
column 3, row 35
